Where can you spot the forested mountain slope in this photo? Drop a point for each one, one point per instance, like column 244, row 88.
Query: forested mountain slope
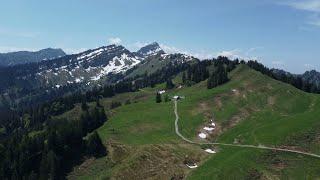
column 24, row 57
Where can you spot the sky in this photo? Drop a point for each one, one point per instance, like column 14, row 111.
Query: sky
column 279, row 33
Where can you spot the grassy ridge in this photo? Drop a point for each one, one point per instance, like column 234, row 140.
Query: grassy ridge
column 250, row 109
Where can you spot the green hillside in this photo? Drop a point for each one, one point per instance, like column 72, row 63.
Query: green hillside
column 250, row 109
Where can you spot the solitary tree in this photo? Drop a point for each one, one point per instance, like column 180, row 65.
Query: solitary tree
column 166, row 98
column 184, row 77
column 158, row 98
column 84, row 106
column 95, row 146
column 169, row 84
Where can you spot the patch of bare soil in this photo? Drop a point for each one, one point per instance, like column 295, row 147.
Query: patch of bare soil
column 140, row 97
column 269, row 86
column 87, row 163
column 274, row 160
column 271, row 100
column 153, row 162
column 118, row 152
column 235, row 119
column 217, row 131
column 236, row 92
column 143, row 128
column 312, row 104
column 218, row 102
column 203, row 108
column 296, row 148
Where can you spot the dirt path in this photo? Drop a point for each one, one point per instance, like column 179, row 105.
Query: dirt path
column 233, row 145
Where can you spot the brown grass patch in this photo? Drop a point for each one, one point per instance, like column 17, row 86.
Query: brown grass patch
column 203, row 108
column 154, row 162
column 271, row 100
column 143, row 128
column 218, row 102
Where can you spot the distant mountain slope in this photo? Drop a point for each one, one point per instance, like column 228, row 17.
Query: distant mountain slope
column 156, row 62
column 82, row 71
column 312, row 77
column 150, row 50
column 23, row 57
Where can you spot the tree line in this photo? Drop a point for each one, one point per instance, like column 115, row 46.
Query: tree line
column 295, row 80
column 52, row 150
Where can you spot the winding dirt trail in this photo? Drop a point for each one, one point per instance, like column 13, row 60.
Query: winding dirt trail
column 233, row 145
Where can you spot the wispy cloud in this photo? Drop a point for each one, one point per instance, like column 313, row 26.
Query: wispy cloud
column 314, row 19
column 140, row 44
column 306, row 5
column 311, row 6
column 202, row 54
column 74, row 50
column 310, row 66
column 278, row 64
column 114, row 40
column 232, row 54
column 248, row 54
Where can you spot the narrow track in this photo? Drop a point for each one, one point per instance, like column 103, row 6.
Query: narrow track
column 233, row 145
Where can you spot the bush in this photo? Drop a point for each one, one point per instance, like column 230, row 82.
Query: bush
column 115, row 104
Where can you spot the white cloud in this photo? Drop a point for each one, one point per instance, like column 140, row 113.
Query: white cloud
column 277, row 63
column 241, row 54
column 172, row 49
column 74, row 50
column 140, row 44
column 114, row 40
column 198, row 54
column 232, row 54
column 314, row 19
column 311, row 6
column 202, row 54
column 306, row 5
column 309, row 66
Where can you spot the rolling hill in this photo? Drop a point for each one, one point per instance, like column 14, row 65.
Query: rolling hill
column 250, row 109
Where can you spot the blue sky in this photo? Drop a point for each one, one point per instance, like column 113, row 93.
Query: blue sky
column 283, row 34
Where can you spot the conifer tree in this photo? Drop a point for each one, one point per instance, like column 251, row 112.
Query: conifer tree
column 158, row 98
column 169, row 84
column 184, row 77
column 95, row 146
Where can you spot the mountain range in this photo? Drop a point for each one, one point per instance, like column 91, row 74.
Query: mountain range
column 85, row 70
column 51, row 71
column 23, row 57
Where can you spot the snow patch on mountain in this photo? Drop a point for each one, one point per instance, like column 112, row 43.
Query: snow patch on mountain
column 92, row 54
column 117, row 65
